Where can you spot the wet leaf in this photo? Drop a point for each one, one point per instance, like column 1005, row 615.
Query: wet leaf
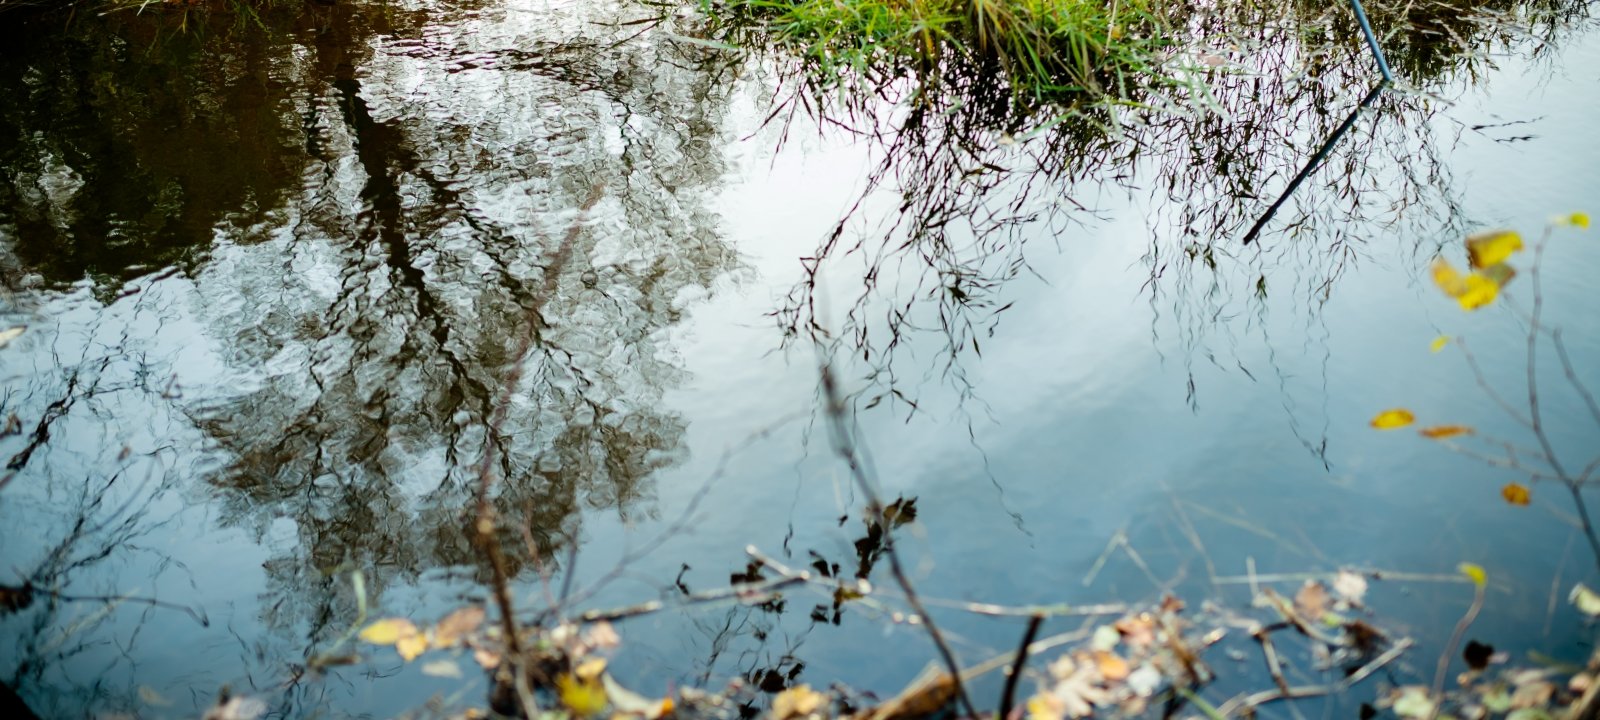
column 1105, row 637
column 486, row 658
column 388, row 631
column 583, row 697
column 1477, row 654
column 1439, row 343
column 1578, row 220
column 1413, row 702
column 1112, row 667
column 1312, row 600
column 601, row 636
column 1393, row 418
column 1480, row 292
column 1497, row 698
column 1350, row 586
column 798, row 701
column 1533, row 694
column 1448, row 279
column 1075, row 687
column 1138, row 631
column 1516, row 494
column 590, row 669
column 1440, row 432
column 451, row 630
column 442, row 669
column 1586, row 600
column 11, row 333
column 628, row 702
column 411, row 646
column 1499, row 274
column 1475, row 573
column 1144, row 681
column 1492, row 248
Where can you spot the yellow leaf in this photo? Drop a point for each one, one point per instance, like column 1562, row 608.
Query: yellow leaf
column 388, row 631
column 583, row 697
column 1492, row 247
column 1439, row 343
column 411, row 646
column 1578, row 220
column 1480, row 291
column 1475, row 572
column 590, row 669
column 1391, row 419
column 1448, row 278
column 1440, row 432
column 1516, row 494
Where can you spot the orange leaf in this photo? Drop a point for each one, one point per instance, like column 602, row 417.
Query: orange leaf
column 1112, row 667
column 1440, row 432
column 1394, row 418
column 1516, row 494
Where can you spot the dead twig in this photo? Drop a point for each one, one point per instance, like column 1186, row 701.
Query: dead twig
column 1009, row 695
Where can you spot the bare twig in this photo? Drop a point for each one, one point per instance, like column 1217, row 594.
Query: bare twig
column 1244, row 704
column 1450, row 648
column 1009, row 695
column 846, row 450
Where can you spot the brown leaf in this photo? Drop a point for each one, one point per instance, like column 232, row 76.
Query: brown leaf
column 1312, row 600
column 457, row 625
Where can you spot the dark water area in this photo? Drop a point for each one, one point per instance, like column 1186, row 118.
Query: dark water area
column 274, row 278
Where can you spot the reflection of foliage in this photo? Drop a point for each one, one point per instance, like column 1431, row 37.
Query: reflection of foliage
column 115, row 135
column 425, row 245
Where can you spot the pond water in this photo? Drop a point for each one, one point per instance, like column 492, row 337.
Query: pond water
column 274, row 279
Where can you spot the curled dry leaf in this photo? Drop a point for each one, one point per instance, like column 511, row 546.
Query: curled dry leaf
column 1393, row 418
column 456, row 626
column 797, row 702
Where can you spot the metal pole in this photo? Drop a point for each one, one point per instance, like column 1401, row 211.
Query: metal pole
column 1372, row 41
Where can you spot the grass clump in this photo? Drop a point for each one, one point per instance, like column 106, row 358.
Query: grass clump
column 1040, row 49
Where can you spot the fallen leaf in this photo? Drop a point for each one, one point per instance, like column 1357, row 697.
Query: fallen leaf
column 798, row 701
column 1046, row 706
column 583, row 697
column 628, row 702
column 1075, row 687
column 1413, row 702
column 1138, row 631
column 1439, row 343
column 1350, row 586
column 1516, row 494
column 1105, row 637
column 442, row 669
column 486, row 658
column 450, row 631
column 1480, row 292
column 1144, row 680
column 11, row 333
column 1475, row 573
column 1112, row 667
column 1579, row 220
column 1492, row 247
column 1448, row 279
column 388, row 631
column 602, row 636
column 411, row 646
column 1440, row 432
column 1535, row 694
column 1586, row 600
column 1312, row 600
column 590, row 669
column 1393, row 418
